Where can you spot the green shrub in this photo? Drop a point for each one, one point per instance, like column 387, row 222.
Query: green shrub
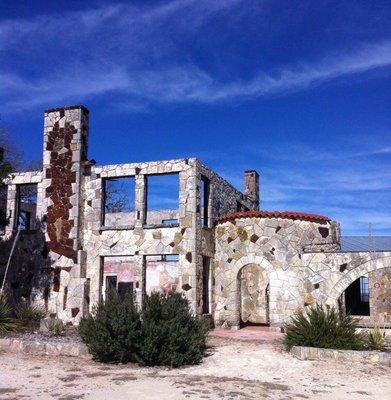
column 113, row 332
column 7, row 321
column 55, row 326
column 171, row 334
column 325, row 328
column 163, row 333
column 28, row 315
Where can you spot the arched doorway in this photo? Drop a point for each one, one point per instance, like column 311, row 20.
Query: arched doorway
column 253, row 290
column 355, row 299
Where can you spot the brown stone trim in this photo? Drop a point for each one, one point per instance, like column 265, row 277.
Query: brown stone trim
column 273, row 214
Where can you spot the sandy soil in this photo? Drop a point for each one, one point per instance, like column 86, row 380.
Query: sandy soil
column 233, row 370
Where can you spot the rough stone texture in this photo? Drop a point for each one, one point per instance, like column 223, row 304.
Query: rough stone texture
column 334, row 272
column 380, row 296
column 297, row 277
column 254, row 295
column 297, row 254
column 368, row 357
column 41, row 347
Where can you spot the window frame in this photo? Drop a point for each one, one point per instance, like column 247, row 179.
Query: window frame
column 147, row 193
column 28, row 213
column 205, row 201
column 103, row 200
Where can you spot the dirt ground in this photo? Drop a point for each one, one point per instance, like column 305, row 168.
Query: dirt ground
column 233, row 370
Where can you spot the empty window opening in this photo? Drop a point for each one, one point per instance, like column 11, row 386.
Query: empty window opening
column 162, row 273
column 26, row 219
column 162, row 199
column 364, row 289
column 3, row 208
column 119, row 201
column 169, row 221
column 170, row 257
column 204, row 201
column 356, row 297
column 120, row 275
column 206, row 292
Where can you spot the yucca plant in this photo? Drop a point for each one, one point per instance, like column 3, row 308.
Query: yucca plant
column 375, row 338
column 7, row 321
column 55, row 326
column 29, row 315
column 325, row 328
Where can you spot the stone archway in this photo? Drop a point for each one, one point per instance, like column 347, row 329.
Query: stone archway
column 365, row 268
column 253, row 295
column 375, row 266
column 231, row 304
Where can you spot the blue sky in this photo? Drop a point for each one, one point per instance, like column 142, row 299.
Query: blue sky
column 299, row 90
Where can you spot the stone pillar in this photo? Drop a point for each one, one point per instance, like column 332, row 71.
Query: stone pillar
column 251, row 179
column 141, row 194
column 64, row 153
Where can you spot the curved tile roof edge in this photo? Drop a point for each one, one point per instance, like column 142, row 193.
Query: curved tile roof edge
column 273, row 214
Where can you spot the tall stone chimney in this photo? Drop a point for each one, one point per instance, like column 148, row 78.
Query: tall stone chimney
column 65, row 150
column 251, row 190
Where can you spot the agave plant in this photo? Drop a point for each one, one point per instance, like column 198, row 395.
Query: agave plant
column 325, row 328
column 28, row 315
column 7, row 321
column 375, row 338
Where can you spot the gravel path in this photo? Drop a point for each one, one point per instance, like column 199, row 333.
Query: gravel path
column 233, row 370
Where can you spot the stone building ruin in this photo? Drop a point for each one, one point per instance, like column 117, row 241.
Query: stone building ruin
column 93, row 228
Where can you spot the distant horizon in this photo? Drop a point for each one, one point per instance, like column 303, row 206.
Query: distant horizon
column 300, row 92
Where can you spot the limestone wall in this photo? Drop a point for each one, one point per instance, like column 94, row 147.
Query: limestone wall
column 276, row 246
column 141, row 240
column 327, row 275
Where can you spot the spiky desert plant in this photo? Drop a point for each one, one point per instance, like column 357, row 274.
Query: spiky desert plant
column 7, row 321
column 325, row 328
column 29, row 315
column 375, row 338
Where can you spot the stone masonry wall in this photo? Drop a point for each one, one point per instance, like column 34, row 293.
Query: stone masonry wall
column 380, row 296
column 141, row 240
column 275, row 245
column 223, row 199
column 329, row 274
column 292, row 259
column 65, row 151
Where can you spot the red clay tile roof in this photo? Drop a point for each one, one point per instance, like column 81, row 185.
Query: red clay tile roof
column 273, row 214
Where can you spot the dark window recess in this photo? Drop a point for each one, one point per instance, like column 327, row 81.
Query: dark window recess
column 111, row 285
column 205, row 285
column 26, row 219
column 204, row 199
column 125, row 288
column 357, row 297
column 119, row 201
column 162, row 200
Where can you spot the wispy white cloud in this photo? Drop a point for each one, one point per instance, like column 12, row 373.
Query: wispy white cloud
column 132, row 52
column 351, row 187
